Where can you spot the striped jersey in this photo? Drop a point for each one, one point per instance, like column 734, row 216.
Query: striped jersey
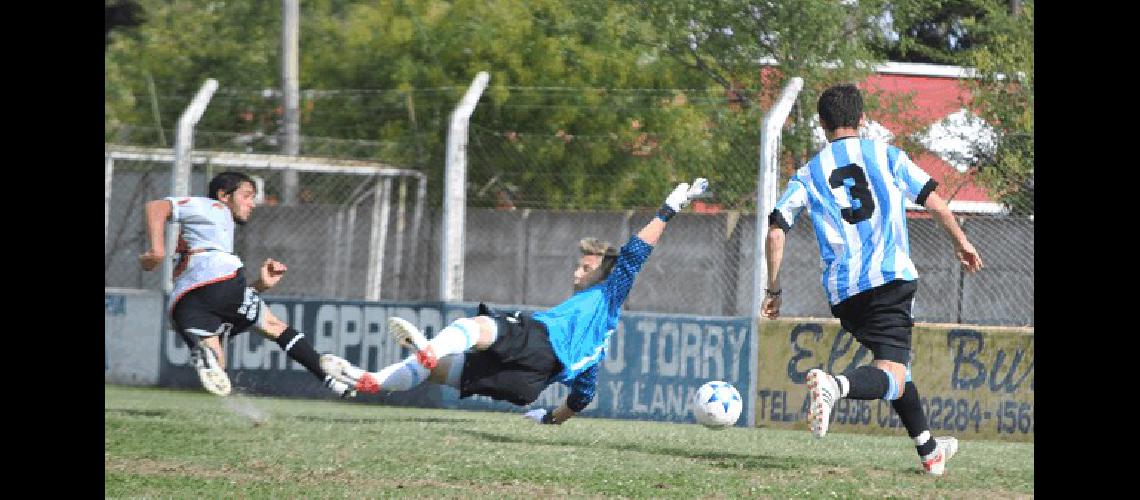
column 853, row 190
column 205, row 244
column 580, row 327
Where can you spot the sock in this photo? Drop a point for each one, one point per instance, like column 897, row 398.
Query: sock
column 844, row 385
column 402, row 376
column 300, row 351
column 867, row 382
column 458, row 337
column 909, row 409
column 455, row 370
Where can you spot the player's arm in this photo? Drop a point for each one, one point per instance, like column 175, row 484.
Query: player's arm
column 920, row 187
column 675, row 202
column 582, row 390
column 637, row 250
column 773, row 255
column 967, row 255
column 787, row 208
column 270, row 273
column 156, row 213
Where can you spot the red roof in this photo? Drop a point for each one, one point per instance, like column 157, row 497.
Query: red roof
column 934, row 99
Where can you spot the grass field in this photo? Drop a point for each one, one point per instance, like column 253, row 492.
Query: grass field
column 167, row 443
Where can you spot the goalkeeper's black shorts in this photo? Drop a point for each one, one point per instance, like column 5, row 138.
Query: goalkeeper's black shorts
column 516, row 367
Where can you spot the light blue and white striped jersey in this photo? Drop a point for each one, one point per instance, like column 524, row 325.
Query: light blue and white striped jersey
column 853, row 190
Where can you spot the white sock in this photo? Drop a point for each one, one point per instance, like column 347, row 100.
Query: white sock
column 458, row 337
column 921, row 439
column 844, row 385
column 402, row 376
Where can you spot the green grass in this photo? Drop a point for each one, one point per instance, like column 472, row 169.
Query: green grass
column 167, row 443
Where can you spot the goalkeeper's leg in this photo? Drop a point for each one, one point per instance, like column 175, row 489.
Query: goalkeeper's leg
column 400, row 376
column 462, row 334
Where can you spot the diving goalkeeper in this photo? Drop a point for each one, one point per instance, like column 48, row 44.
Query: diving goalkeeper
column 518, row 355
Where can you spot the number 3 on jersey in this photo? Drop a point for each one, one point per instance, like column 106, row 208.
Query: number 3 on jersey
column 853, row 182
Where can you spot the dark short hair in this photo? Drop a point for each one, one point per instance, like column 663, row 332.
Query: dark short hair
column 840, row 106
column 228, row 182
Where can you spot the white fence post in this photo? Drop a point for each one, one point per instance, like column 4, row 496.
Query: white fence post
column 455, row 193
column 109, row 169
column 180, row 170
column 765, row 199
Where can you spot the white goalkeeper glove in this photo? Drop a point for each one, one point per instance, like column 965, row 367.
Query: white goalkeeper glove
column 540, row 416
column 681, row 196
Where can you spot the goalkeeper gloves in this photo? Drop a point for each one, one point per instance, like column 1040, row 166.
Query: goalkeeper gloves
column 680, row 197
column 540, row 416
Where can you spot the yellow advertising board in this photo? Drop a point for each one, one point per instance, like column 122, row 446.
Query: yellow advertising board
column 974, row 381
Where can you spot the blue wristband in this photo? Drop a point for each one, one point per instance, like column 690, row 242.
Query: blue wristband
column 665, row 213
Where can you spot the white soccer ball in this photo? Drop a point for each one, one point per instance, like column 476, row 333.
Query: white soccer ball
column 717, row 405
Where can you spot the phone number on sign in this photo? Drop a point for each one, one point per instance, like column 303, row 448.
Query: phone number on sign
column 943, row 414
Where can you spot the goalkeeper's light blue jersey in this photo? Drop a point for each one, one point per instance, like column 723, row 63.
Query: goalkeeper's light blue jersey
column 580, row 327
column 854, row 190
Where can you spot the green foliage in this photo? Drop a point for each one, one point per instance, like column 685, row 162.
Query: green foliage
column 926, row 31
column 1003, row 96
column 590, row 105
column 821, row 42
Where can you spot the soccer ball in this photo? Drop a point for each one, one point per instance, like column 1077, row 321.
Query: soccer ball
column 717, row 405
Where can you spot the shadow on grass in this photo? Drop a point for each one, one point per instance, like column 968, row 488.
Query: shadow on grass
column 717, row 459
column 374, row 420
column 136, row 413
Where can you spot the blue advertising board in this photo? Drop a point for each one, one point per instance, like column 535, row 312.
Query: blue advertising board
column 653, row 366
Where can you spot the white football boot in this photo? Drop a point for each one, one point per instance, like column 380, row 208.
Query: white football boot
column 354, row 378
column 935, row 462
column 409, row 336
column 210, row 371
column 824, row 393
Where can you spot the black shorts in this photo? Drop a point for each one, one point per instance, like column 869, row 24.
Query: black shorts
column 516, row 367
column 880, row 319
column 219, row 308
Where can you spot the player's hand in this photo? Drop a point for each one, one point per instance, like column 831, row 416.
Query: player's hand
column 271, row 273
column 968, row 256
column 770, row 308
column 684, row 193
column 151, row 259
column 538, row 416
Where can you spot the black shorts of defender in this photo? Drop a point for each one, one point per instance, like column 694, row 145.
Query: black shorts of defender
column 880, row 319
column 222, row 308
column 518, row 364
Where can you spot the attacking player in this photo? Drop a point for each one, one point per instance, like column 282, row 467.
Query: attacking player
column 854, row 190
column 516, row 356
column 210, row 297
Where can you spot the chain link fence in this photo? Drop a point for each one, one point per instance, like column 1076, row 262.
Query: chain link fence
column 532, row 195
column 352, row 234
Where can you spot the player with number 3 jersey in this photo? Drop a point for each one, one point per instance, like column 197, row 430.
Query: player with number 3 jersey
column 855, row 192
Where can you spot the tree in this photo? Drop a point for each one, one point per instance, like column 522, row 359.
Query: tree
column 926, row 31
column 822, row 42
column 120, row 14
column 1003, row 96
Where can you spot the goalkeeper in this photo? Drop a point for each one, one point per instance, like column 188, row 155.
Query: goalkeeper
column 516, row 356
